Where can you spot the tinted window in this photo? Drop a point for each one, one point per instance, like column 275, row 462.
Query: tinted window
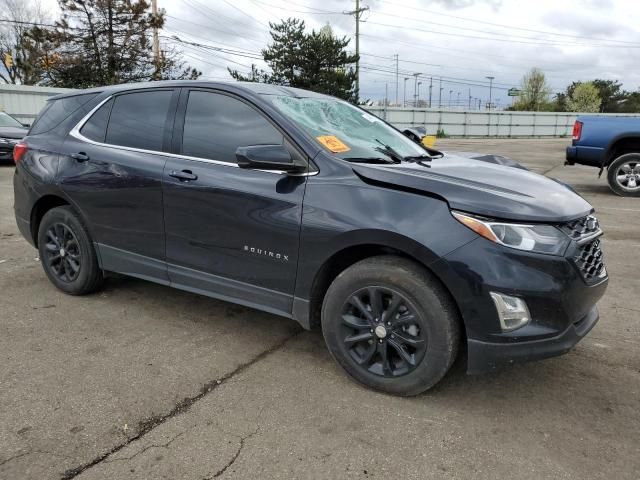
column 55, row 111
column 216, row 125
column 137, row 119
column 96, row 127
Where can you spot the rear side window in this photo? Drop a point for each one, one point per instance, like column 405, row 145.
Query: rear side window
column 96, row 127
column 137, row 119
column 216, row 125
column 55, row 111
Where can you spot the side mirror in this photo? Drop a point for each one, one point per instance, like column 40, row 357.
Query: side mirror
column 266, row 157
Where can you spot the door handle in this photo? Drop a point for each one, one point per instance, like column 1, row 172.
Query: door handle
column 80, row 157
column 184, row 175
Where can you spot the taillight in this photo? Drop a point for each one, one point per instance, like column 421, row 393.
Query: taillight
column 577, row 130
column 19, row 149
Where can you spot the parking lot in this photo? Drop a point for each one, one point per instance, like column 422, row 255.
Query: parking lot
column 142, row 381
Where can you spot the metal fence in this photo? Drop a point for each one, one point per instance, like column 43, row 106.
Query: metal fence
column 470, row 123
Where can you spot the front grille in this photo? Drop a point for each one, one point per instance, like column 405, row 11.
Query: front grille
column 581, row 228
column 590, row 261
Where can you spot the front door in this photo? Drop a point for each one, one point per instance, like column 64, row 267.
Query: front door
column 230, row 232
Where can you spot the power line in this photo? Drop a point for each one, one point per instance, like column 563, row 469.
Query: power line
column 501, row 25
column 508, row 40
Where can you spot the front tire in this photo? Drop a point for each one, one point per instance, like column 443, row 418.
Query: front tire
column 623, row 175
column 391, row 325
column 66, row 252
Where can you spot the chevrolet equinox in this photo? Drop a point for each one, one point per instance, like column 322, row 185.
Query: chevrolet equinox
column 305, row 206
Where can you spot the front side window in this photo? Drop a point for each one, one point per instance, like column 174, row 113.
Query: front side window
column 215, row 125
column 344, row 130
column 137, row 119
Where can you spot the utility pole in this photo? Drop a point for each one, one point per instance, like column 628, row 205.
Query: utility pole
column 418, row 99
column 156, row 40
column 430, row 88
column 415, row 90
column 469, row 99
column 397, row 78
column 490, row 88
column 440, row 95
column 404, row 100
column 458, row 101
column 357, row 13
column 450, row 92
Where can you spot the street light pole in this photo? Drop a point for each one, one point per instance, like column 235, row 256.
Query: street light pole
column 458, row 101
column 415, row 89
column 430, row 88
column 418, row 98
column 404, row 100
column 450, row 92
column 490, row 89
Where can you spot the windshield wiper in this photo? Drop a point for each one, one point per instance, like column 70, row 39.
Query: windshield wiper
column 398, row 158
column 385, row 161
column 389, row 152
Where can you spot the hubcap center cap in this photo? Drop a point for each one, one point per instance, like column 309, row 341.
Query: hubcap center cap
column 381, row 332
column 62, row 252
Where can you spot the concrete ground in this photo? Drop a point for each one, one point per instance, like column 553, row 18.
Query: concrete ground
column 142, row 382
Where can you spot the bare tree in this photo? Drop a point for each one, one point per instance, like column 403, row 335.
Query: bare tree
column 21, row 45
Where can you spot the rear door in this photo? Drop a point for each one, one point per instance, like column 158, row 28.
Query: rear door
column 231, row 232
column 113, row 171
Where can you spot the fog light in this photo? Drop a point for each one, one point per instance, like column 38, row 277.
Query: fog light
column 512, row 311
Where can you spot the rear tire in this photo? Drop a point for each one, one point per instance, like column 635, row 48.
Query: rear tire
column 66, row 252
column 623, row 175
column 391, row 325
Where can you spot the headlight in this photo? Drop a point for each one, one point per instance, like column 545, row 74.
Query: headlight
column 531, row 238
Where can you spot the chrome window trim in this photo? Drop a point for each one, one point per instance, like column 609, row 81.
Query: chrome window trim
column 75, row 132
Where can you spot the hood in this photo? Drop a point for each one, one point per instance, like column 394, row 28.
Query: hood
column 13, row 132
column 484, row 188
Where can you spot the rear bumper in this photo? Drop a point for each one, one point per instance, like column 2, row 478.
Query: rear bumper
column 486, row 356
column 591, row 156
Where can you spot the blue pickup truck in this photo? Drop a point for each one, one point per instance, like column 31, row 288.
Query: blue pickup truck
column 612, row 143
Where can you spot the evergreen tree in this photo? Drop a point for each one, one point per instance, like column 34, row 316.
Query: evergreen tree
column 315, row 61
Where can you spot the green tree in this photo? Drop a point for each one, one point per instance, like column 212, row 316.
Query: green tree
column 584, row 98
column 315, row 61
column 536, row 92
column 106, row 42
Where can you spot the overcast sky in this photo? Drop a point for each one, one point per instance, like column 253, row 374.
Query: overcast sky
column 462, row 41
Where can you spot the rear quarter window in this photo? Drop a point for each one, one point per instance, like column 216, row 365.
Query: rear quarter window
column 55, row 111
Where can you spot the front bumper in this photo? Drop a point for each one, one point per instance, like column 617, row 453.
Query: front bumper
column 560, row 300
column 6, row 154
column 486, row 356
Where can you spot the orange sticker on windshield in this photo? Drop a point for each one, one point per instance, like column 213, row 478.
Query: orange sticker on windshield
column 333, row 143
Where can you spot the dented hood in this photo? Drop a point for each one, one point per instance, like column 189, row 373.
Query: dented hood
column 483, row 188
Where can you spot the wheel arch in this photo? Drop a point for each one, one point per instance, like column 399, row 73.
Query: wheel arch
column 628, row 143
column 42, row 206
column 343, row 258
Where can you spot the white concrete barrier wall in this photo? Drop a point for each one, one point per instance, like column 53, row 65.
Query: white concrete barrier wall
column 24, row 103
column 474, row 123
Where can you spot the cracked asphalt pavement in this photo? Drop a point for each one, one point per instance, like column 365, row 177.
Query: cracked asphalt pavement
column 141, row 381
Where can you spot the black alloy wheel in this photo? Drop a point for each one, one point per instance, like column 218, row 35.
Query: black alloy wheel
column 67, row 252
column 63, row 252
column 382, row 332
column 391, row 325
